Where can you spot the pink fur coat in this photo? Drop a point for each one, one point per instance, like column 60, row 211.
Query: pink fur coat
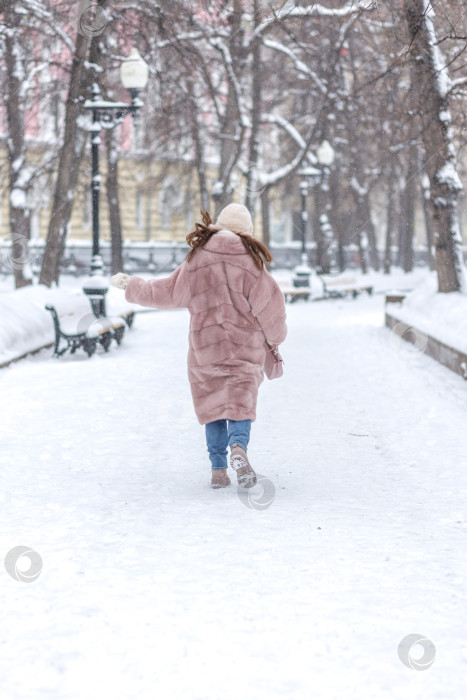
column 227, row 297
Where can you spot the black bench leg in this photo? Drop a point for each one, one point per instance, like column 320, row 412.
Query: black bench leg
column 105, row 340
column 90, row 345
column 119, row 333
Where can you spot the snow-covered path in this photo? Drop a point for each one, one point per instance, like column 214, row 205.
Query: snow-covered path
column 155, row 586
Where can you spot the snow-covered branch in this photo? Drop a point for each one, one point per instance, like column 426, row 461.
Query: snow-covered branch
column 458, row 83
column 361, row 190
column 268, row 118
column 443, row 82
column 27, row 83
column 315, row 10
column 221, row 46
column 38, row 10
column 299, row 65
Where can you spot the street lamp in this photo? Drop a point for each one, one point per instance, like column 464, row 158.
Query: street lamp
column 107, row 115
column 326, row 156
column 303, row 270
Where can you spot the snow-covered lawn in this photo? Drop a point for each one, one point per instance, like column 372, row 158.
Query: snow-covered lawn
column 156, row 586
column 442, row 316
column 26, row 326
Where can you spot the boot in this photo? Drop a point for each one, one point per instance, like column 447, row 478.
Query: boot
column 246, row 477
column 219, row 479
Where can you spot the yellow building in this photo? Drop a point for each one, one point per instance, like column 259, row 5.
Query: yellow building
column 158, row 201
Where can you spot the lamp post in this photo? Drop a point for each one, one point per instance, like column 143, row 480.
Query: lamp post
column 303, row 271
column 107, row 115
column 326, row 156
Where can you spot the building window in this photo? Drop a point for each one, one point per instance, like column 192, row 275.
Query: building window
column 87, row 209
column 170, row 200
column 139, row 210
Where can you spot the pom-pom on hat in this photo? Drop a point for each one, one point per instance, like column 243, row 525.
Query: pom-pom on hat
column 236, row 218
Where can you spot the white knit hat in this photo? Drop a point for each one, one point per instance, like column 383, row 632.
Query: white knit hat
column 236, row 218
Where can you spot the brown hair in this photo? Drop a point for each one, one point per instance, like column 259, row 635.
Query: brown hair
column 203, row 232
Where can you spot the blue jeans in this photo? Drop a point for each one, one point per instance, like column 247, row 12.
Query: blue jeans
column 220, row 433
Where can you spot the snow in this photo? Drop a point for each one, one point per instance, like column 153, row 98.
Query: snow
column 217, row 188
column 154, row 585
column 18, row 163
column 443, row 82
column 18, row 198
column 447, row 175
column 445, row 116
column 361, row 190
column 286, row 12
column 27, row 326
column 96, row 282
column 442, row 316
column 299, row 65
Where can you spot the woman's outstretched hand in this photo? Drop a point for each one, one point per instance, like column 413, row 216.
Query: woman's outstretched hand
column 120, row 280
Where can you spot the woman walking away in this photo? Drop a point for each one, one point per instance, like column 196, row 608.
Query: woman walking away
column 234, row 304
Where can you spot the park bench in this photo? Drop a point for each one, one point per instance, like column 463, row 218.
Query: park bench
column 76, row 326
column 293, row 293
column 341, row 288
column 338, row 290
column 395, row 297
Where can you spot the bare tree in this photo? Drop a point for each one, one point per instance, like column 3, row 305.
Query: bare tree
column 68, row 165
column 19, row 173
column 434, row 101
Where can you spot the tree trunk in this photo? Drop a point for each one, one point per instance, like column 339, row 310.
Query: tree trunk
column 114, row 201
column 408, row 213
column 425, row 190
column 390, row 220
column 200, row 162
column 401, row 217
column 432, row 81
column 230, row 128
column 371, row 233
column 266, row 219
column 19, row 181
column 335, row 217
column 256, row 94
column 365, row 227
column 74, row 175
column 68, row 165
column 362, row 253
column 319, row 200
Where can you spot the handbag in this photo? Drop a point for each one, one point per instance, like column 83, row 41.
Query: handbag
column 273, row 363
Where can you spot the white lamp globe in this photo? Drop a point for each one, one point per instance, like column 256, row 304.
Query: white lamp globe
column 134, row 71
column 326, row 153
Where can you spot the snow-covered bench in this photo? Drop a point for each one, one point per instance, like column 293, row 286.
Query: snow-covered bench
column 293, row 293
column 76, row 326
column 395, row 297
column 339, row 288
column 336, row 289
